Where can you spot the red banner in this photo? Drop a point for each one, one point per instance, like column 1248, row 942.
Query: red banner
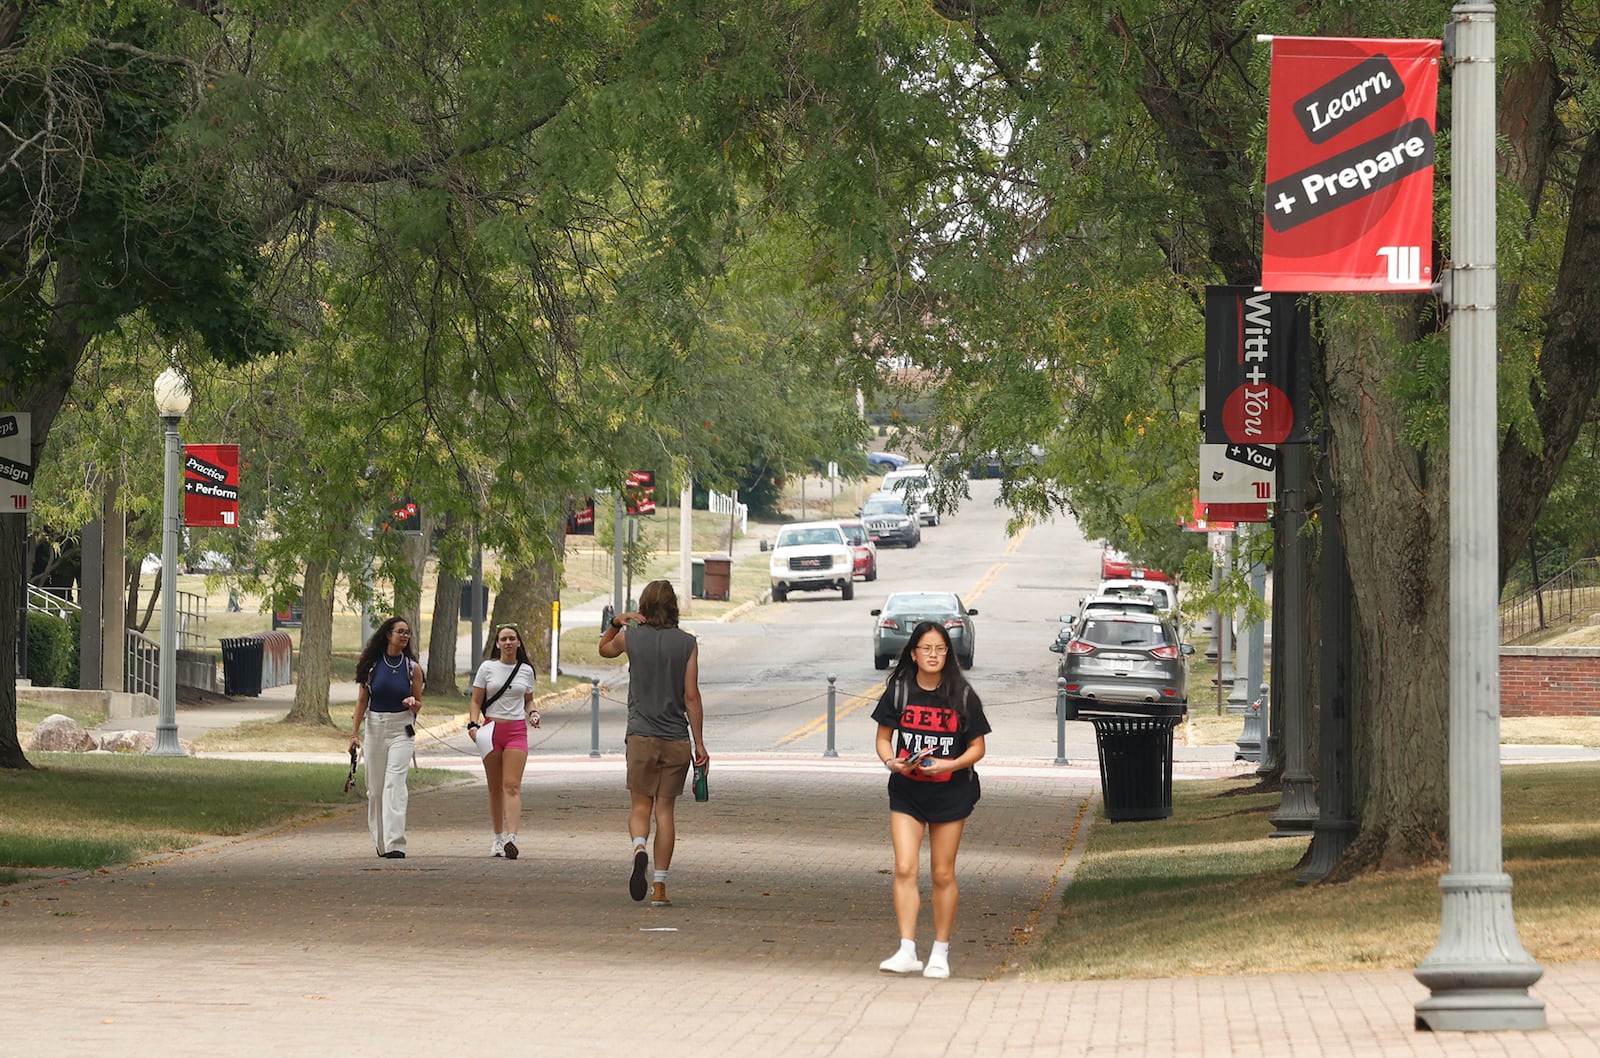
column 1350, row 151
column 639, row 492
column 211, row 485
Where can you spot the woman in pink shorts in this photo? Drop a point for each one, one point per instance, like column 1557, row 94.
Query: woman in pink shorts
column 502, row 709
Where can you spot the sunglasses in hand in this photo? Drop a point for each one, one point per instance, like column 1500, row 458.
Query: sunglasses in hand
column 350, row 780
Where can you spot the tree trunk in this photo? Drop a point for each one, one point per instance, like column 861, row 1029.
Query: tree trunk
column 316, row 647
column 526, row 592
column 1568, row 371
column 443, row 632
column 13, row 537
column 42, row 402
column 1400, row 576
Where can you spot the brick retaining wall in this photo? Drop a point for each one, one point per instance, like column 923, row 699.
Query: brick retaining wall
column 1549, row 681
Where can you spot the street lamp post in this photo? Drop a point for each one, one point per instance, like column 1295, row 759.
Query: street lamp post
column 1479, row 973
column 172, row 401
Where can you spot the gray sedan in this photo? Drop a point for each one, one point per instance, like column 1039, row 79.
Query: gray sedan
column 904, row 610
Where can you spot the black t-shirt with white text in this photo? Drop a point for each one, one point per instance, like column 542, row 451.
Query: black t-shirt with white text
column 921, row 720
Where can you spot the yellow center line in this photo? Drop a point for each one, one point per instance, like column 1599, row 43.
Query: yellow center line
column 871, row 695
column 867, row 697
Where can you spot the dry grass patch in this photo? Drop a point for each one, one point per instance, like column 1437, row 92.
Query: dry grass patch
column 1207, row 892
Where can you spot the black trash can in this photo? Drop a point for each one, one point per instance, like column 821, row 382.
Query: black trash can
column 1135, row 765
column 241, row 666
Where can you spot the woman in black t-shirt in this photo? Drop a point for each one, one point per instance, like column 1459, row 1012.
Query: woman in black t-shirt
column 931, row 732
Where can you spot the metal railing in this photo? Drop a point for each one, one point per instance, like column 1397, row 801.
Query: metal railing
column 141, row 669
column 54, row 601
column 1570, row 595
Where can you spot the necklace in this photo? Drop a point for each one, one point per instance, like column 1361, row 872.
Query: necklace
column 396, row 666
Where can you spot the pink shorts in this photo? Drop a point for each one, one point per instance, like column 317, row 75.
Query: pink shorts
column 510, row 734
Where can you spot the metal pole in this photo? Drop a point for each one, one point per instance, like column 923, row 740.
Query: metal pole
column 1335, row 827
column 1479, row 973
column 686, row 545
column 832, row 700
column 167, row 723
column 1061, row 721
column 1297, row 809
column 477, row 597
column 594, row 716
column 1244, row 664
column 618, row 602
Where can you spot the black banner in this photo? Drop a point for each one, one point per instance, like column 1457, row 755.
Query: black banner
column 581, row 521
column 1257, row 348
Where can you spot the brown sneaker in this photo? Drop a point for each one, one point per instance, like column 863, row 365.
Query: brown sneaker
column 658, row 895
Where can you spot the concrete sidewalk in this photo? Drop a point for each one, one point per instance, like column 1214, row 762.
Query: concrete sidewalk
column 299, row 941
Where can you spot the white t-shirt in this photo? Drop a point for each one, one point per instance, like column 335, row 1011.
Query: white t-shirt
column 512, row 705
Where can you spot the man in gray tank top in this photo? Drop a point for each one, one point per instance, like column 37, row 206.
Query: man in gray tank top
column 664, row 710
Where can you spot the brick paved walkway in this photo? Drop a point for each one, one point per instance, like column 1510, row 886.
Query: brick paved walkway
column 301, row 942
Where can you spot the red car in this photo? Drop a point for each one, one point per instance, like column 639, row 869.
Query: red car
column 862, row 546
column 1114, row 565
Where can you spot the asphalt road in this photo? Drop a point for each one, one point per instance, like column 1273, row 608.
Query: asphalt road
column 765, row 677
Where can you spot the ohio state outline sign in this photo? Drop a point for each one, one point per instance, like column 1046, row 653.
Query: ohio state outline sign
column 1350, row 153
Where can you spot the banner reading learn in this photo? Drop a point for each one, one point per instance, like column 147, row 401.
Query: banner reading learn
column 1350, row 151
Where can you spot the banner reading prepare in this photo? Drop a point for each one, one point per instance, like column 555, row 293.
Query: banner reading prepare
column 211, row 485
column 1350, row 151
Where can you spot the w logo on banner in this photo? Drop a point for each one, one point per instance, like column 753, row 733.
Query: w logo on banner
column 1405, row 265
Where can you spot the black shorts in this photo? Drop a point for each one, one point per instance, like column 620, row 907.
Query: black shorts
column 935, row 802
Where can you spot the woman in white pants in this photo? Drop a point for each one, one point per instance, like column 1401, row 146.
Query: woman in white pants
column 388, row 698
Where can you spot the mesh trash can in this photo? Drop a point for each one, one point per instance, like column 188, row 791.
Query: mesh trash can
column 241, row 666
column 1135, row 765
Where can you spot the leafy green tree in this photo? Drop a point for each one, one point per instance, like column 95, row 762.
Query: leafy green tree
column 1111, row 168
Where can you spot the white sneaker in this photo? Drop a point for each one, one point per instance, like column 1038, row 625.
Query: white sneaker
column 902, row 962
column 498, row 849
column 938, row 966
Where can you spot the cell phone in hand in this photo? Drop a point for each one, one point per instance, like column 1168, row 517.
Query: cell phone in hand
column 920, row 757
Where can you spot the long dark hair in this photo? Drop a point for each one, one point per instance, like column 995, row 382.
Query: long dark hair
column 491, row 649
column 379, row 644
column 953, row 687
column 659, row 604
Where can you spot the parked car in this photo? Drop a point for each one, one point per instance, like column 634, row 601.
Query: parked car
column 914, row 484
column 864, row 548
column 888, row 521
column 991, row 465
column 904, row 610
column 1115, row 564
column 1100, row 605
column 1163, row 594
column 1124, row 659
column 811, row 556
column 883, row 461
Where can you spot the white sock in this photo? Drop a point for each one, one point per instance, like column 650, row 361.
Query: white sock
column 511, row 837
column 659, row 876
column 638, row 843
column 908, row 945
column 941, row 949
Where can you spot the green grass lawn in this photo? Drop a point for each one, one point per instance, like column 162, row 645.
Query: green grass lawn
column 1208, row 892
column 86, row 811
